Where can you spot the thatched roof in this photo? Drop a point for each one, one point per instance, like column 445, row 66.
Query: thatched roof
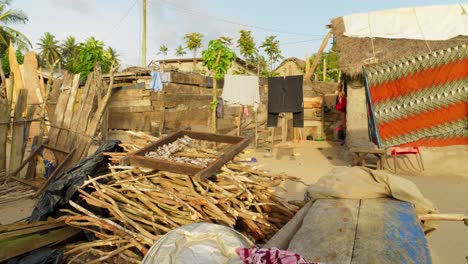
column 312, row 88
column 300, row 63
column 356, row 52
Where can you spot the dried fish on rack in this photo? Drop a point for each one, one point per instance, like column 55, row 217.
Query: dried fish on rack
column 143, row 206
column 185, row 150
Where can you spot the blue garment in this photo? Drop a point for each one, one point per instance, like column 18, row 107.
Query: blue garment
column 156, row 82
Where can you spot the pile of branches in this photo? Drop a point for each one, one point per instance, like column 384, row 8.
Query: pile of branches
column 143, row 206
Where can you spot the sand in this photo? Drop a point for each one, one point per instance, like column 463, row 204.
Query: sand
column 444, row 182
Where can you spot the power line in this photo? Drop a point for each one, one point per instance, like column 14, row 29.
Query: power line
column 204, row 15
column 126, row 15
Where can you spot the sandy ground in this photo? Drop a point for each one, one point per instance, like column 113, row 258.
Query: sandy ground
column 444, row 182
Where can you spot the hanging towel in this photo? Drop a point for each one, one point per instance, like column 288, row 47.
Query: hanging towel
column 156, row 82
column 165, row 77
column 241, row 90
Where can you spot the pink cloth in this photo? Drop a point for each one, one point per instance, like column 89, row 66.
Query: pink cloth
column 257, row 255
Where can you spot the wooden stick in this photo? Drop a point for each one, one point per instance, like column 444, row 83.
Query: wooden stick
column 442, row 217
column 317, row 56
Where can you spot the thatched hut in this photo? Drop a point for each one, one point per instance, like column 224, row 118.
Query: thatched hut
column 356, row 52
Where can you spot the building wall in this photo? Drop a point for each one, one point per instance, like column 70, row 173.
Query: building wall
column 289, row 68
column 356, row 117
column 187, row 66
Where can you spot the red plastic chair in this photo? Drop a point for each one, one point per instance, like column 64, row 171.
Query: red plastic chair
column 397, row 151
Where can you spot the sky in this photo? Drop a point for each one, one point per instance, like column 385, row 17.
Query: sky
column 300, row 25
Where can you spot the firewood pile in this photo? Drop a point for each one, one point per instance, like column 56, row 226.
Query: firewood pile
column 144, row 205
column 188, row 150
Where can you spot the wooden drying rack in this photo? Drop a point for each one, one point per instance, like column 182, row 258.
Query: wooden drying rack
column 237, row 145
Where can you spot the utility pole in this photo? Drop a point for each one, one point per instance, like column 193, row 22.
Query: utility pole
column 143, row 42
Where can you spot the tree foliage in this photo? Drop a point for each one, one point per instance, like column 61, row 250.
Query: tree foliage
column 210, row 56
column 163, row 50
column 226, row 40
column 70, row 50
column 10, row 17
column 91, row 53
column 193, row 42
column 271, row 47
column 180, row 52
column 6, row 60
column 246, row 44
column 49, row 49
column 333, row 67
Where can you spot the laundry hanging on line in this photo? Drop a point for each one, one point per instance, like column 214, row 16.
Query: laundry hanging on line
column 241, row 90
column 285, row 94
column 158, row 79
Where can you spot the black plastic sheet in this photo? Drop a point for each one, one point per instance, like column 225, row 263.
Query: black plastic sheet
column 64, row 186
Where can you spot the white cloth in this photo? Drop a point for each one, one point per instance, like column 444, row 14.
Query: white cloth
column 241, row 90
column 440, row 22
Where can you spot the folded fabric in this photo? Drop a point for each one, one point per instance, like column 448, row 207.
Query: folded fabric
column 257, row 255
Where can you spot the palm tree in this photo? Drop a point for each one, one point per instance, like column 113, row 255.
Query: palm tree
column 49, row 48
column 113, row 56
column 7, row 34
column 226, row 40
column 193, row 42
column 70, row 50
column 180, row 52
column 163, row 50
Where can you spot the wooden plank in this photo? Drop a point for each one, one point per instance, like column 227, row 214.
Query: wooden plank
column 15, row 247
column 139, row 102
column 31, row 170
column 80, row 111
column 130, row 121
column 59, row 111
column 188, row 78
column 178, row 88
column 131, row 109
column 366, row 150
column 65, row 134
column 30, row 230
column 27, row 127
column 120, row 94
column 317, row 56
column 312, row 123
column 391, row 229
column 327, row 232
column 31, row 79
column 187, row 101
column 16, row 152
column 4, row 124
column 18, row 83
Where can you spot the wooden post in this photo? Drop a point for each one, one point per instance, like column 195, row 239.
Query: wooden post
column 143, row 41
column 239, row 115
column 4, row 123
column 324, row 73
column 284, row 128
column 317, row 56
column 16, row 154
column 256, row 128
column 4, row 119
